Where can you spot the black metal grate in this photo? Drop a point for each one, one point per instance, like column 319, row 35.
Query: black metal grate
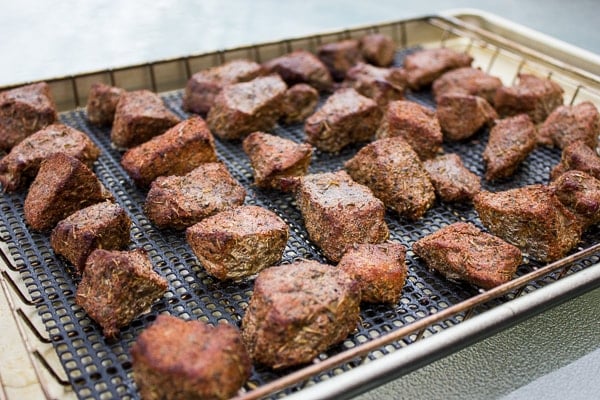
column 100, row 369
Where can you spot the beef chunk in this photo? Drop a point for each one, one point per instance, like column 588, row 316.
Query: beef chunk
column 378, row 49
column 102, row 102
column 379, row 269
column 451, row 179
column 339, row 212
column 462, row 252
column 175, row 152
column 577, row 156
column 535, row 96
column 345, row 118
column 461, row 115
column 417, row 124
column 380, row 84
column 21, row 165
column 532, row 218
column 273, row 158
column 140, row 115
column 510, row 142
column 175, row 359
column 181, row 201
column 299, row 102
column 393, row 171
column 297, row 311
column 23, row 111
column 239, row 242
column 117, row 286
column 580, row 193
column 100, row 226
column 425, row 66
column 301, row 66
column 204, row 86
column 568, row 124
column 62, row 186
column 467, row 80
column 340, row 56
column 242, row 108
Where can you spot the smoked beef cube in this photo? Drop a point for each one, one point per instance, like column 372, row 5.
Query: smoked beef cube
column 298, row 311
column 242, row 108
column 299, row 102
column 393, row 171
column 568, row 124
column 577, row 156
column 378, row 49
column 340, row 56
column 580, row 193
column 102, row 103
column 462, row 115
column 451, row 179
column 425, row 66
column 467, row 80
column 23, row 111
column 175, row 152
column 380, row 84
column 462, row 252
column 301, row 66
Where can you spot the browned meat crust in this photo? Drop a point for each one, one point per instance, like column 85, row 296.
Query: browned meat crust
column 100, row 226
column 580, row 193
column 181, row 201
column 301, row 66
column 239, row 242
column 297, row 311
column 274, row 158
column 102, row 102
column 23, row 111
column 175, row 152
column 462, row 115
column 467, row 80
column 532, row 218
column 462, row 252
column 21, row 165
column 425, row 66
column 451, row 179
column 379, row 269
column 117, row 286
column 577, row 156
column 175, row 359
column 340, row 56
column 568, row 124
column 346, row 117
column 299, row 102
column 380, row 84
column 378, row 49
column 203, row 87
column 242, row 108
column 393, row 171
column 140, row 115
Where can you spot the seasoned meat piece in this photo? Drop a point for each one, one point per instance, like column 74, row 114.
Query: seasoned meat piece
column 273, row 158
column 299, row 102
column 339, row 212
column 100, row 226
column 417, row 124
column 175, row 152
column 378, row 49
column 21, row 165
column 537, row 97
column 175, row 359
column 425, row 66
column 117, row 286
column 242, row 108
column 380, row 84
column 461, row 115
column 580, row 193
column 510, row 142
column 203, row 87
column 451, row 179
column 181, row 201
column 62, row 186
column 23, row 111
column 239, row 242
column 340, row 56
column 568, row 124
column 393, row 171
column 301, row 66
column 467, row 80
column 577, row 156
column 345, row 118
column 102, row 102
column 532, row 218
column 297, row 311
column 140, row 115
column 462, row 252
column 379, row 269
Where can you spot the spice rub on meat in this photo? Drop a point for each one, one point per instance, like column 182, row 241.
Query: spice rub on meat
column 175, row 152
column 238, row 242
column 299, row 102
column 568, row 124
column 467, row 80
column 451, row 179
column 580, row 157
column 580, row 193
column 425, row 66
column 462, row 252
column 102, row 103
column 175, row 359
column 181, row 201
column 301, row 66
column 380, row 84
column 462, row 115
column 393, row 171
column 378, row 49
column 340, row 56
column 297, row 311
